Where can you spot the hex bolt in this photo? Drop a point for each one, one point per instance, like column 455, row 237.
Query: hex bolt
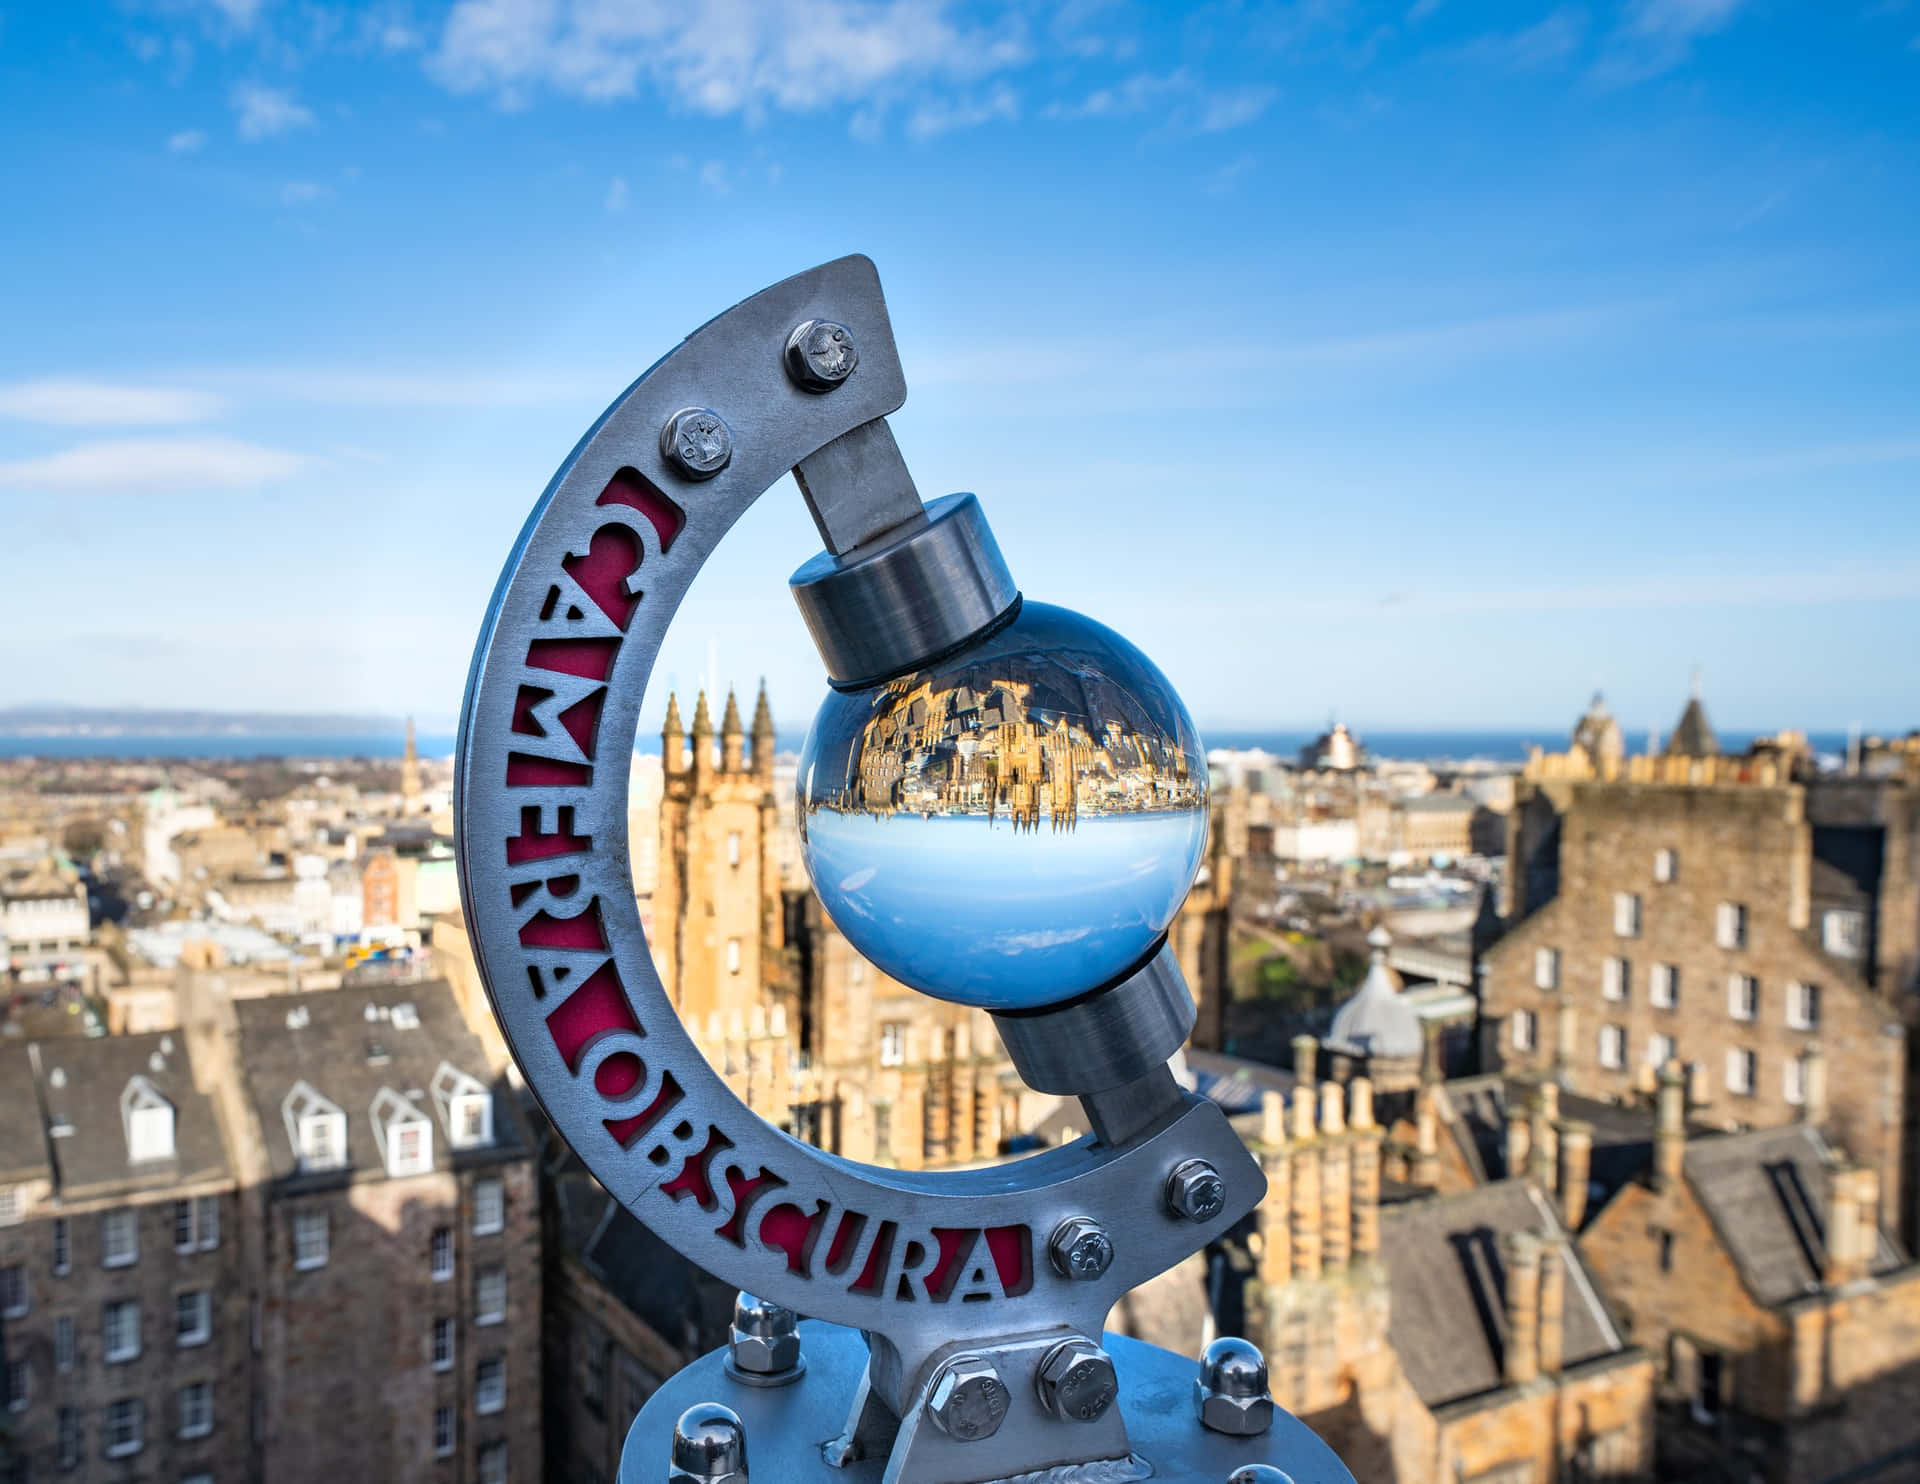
column 968, row 1399
column 1076, row 1381
column 1195, row 1191
column 1080, row 1248
column 763, row 1346
column 820, row 355
column 709, row 1447
column 1231, row 1394
column 697, row 442
column 1259, row 1473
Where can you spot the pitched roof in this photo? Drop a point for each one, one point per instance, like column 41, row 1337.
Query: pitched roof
column 1376, row 1021
column 1447, row 1286
column 1693, row 736
column 23, row 1141
column 1769, row 1194
column 83, row 1083
column 348, row 1045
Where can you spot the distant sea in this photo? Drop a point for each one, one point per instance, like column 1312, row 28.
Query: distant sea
column 1504, row 746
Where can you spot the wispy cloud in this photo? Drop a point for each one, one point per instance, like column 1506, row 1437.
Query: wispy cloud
column 264, row 112
column 187, row 141
column 1178, row 98
column 147, row 465
column 1655, row 36
column 617, row 195
column 795, row 55
column 304, row 193
column 1548, row 41
column 73, row 403
column 936, row 116
column 1232, row 109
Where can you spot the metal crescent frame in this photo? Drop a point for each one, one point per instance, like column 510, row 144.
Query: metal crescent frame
column 546, row 734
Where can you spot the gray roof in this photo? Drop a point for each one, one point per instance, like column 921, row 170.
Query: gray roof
column 1376, row 1021
column 1693, row 736
column 1769, row 1195
column 82, row 1082
column 348, row 1045
column 23, row 1143
column 1622, row 1135
column 1447, row 1284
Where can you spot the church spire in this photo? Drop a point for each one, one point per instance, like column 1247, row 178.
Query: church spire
column 702, row 737
column 763, row 735
column 672, row 738
column 731, row 736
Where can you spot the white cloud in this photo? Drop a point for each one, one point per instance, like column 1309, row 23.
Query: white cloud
column 241, row 13
column 617, row 195
column 1542, row 44
column 713, row 175
column 303, row 193
column 722, row 57
column 1222, row 111
column 143, row 465
column 187, row 141
column 1132, row 95
column 83, row 404
column 1655, row 36
column 936, row 117
column 264, row 112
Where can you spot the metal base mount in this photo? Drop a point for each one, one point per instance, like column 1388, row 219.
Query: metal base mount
column 789, row 1427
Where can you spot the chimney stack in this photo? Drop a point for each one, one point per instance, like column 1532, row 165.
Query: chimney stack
column 1813, row 1084
column 1669, row 1126
column 1336, row 1181
column 1366, row 1171
column 1576, row 1170
column 1853, row 1226
column 1521, row 1252
column 1543, row 1151
column 1276, row 1207
column 1519, row 1136
column 1554, row 1258
column 1426, row 1135
column 1305, row 1178
column 1306, row 1061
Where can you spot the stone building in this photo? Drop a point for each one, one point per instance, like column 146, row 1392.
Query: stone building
column 122, row 1304
column 1739, row 913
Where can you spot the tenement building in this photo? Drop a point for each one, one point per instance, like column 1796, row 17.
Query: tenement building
column 1741, row 914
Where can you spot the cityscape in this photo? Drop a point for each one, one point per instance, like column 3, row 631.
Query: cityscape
column 1492, row 818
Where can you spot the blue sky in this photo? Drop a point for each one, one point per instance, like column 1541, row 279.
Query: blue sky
column 1430, row 362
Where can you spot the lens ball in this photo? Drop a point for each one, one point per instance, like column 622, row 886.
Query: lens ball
column 1011, row 826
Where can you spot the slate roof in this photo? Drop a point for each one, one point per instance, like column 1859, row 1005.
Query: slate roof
column 1693, row 735
column 1376, row 1021
column 81, row 1081
column 23, row 1142
column 1769, row 1194
column 1447, row 1285
column 347, row 1045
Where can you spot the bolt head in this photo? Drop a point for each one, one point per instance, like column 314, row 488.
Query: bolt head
column 1076, row 1381
column 1259, row 1473
column 1080, row 1249
column 820, row 355
column 709, row 1447
column 969, row 1400
column 1195, row 1191
column 1235, row 1416
column 763, row 1355
column 697, row 442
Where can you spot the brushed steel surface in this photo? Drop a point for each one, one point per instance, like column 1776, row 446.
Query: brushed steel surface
column 1104, row 1040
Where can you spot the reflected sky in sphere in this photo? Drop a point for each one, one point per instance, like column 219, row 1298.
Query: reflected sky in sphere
column 1014, row 826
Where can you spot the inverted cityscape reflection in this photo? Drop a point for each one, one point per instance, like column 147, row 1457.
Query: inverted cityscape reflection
column 1012, row 827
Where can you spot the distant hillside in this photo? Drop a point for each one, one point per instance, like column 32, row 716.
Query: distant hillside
column 99, row 721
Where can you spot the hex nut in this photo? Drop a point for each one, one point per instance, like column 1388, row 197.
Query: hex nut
column 968, row 1399
column 697, row 442
column 1076, row 1381
column 1236, row 1416
column 1195, row 1191
column 709, row 1447
column 1080, row 1249
column 763, row 1355
column 820, row 355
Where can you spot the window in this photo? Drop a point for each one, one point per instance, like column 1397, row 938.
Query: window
column 1666, row 1250
column 119, row 1239
column 148, row 1120
column 493, row 1464
column 120, row 1330
column 893, row 1043
column 1525, row 1030
column 490, row 1386
column 490, row 1296
column 1740, row 1072
column 1626, row 914
column 1661, row 1050
column 443, row 1432
column 13, row 1292
column 19, row 1384
column 1666, row 866
column 1730, row 925
column 11, row 1205
column 1614, row 978
column 1546, row 968
column 404, row 1134
column 67, row 1431
column 126, row 1427
column 1793, row 1083
column 1743, row 997
column 62, row 1247
column 1803, row 1006
column 1663, row 986
column 441, row 1260
column 489, row 1207
column 883, row 1130
column 192, row 1318
column 733, row 955
column 310, row 1240
column 443, row 1344
column 196, row 1410
column 466, row 1105
column 733, row 847
column 185, row 1226
column 317, row 1128
column 63, row 1343
column 1844, row 934
column 1613, row 1046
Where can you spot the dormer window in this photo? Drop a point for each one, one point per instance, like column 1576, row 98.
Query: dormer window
column 316, row 1128
column 404, row 1134
column 466, row 1107
column 147, row 1118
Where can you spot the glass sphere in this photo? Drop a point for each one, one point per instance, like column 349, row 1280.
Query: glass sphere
column 1011, row 826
